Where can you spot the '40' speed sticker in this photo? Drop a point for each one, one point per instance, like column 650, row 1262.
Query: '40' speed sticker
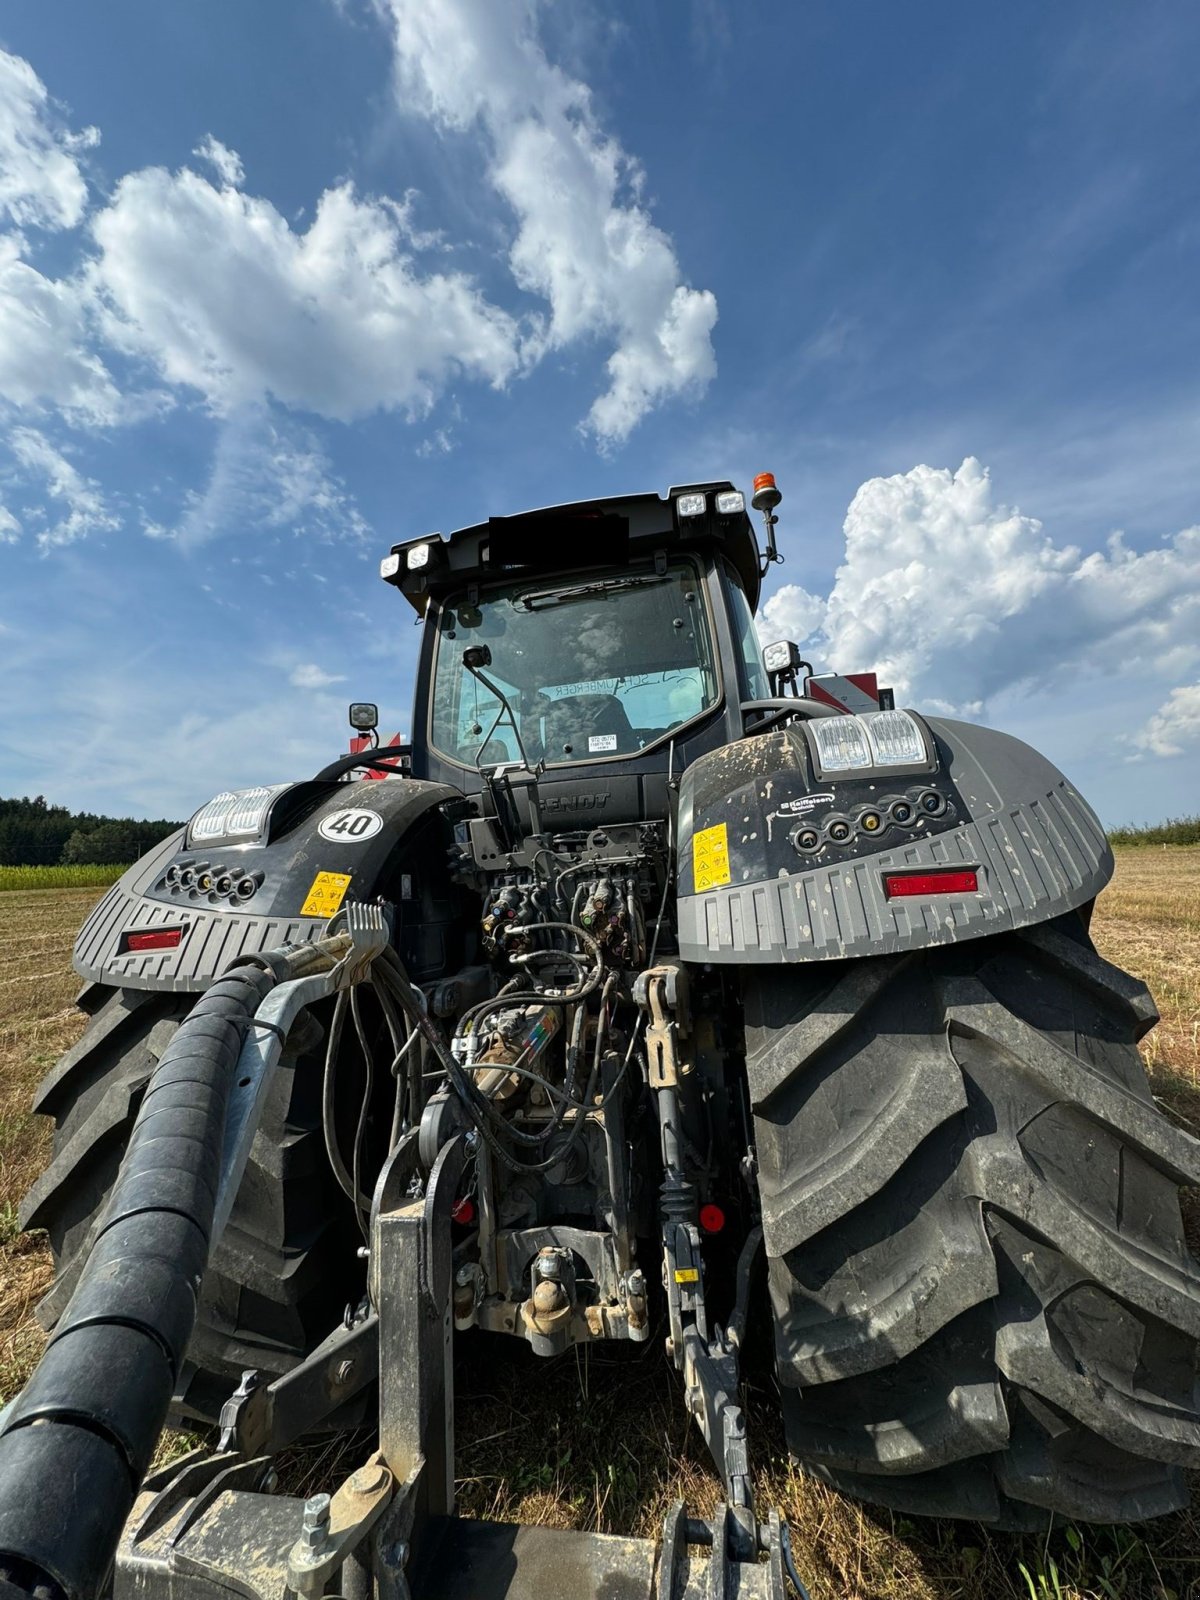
column 351, row 825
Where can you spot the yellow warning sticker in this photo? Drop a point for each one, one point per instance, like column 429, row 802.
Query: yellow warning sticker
column 687, row 1275
column 710, row 857
column 326, row 895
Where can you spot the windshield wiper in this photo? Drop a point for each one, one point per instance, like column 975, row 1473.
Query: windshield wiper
column 539, row 599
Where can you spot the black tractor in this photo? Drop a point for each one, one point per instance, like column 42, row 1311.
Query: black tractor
column 650, row 960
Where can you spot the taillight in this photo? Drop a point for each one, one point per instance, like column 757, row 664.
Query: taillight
column 152, row 939
column 899, row 884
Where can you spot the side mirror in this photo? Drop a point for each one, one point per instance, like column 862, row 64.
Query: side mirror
column 364, row 717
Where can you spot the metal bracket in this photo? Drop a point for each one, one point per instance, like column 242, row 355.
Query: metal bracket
column 333, row 1530
column 261, row 1418
column 662, row 992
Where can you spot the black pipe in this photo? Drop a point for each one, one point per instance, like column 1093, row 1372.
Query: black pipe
column 383, row 756
column 79, row 1438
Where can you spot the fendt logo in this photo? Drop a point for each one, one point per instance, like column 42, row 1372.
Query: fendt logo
column 575, row 802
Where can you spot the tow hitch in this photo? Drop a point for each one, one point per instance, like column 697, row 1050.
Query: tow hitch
column 211, row 1523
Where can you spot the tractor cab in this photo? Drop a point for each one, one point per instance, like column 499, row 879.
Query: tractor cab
column 604, row 645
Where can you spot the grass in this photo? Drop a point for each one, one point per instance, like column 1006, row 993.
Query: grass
column 599, row 1439
column 60, row 877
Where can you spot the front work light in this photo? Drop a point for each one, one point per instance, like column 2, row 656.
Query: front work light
column 364, row 717
column 238, row 815
column 390, row 565
column 731, row 504
column 689, row 505
column 417, row 557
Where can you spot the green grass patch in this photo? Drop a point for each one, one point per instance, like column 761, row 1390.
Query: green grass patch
column 59, row 877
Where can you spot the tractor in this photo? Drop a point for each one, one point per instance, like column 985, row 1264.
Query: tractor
column 656, row 988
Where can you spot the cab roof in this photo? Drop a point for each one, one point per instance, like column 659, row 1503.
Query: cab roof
column 582, row 535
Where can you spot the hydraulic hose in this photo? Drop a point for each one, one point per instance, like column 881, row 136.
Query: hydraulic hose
column 78, row 1440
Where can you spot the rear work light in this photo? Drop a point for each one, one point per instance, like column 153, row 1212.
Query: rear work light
column 868, row 739
column 236, row 814
column 153, row 939
column 897, row 885
column 690, row 505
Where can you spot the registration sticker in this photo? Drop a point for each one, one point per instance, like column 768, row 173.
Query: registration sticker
column 326, row 894
column 601, row 741
column 710, row 857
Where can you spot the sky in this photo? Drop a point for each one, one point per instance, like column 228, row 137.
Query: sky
column 282, row 284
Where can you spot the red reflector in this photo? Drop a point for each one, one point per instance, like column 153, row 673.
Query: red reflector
column 712, row 1218
column 154, row 939
column 899, row 884
column 463, row 1210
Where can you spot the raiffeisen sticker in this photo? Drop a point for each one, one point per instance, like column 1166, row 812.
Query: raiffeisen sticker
column 351, row 825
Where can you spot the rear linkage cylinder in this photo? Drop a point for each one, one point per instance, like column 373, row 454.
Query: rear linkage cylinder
column 708, row 1359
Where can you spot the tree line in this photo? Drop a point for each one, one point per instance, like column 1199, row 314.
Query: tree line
column 35, row 834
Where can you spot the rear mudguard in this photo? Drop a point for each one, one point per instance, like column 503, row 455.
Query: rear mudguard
column 301, row 875
column 778, row 863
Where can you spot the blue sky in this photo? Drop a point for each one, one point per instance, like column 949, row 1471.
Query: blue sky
column 282, row 283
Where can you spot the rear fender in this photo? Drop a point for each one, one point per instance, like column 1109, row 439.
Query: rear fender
column 754, row 887
column 302, row 876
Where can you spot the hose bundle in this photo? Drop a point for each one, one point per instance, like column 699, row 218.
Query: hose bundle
column 77, row 1441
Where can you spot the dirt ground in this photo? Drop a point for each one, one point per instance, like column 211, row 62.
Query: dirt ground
column 607, row 1445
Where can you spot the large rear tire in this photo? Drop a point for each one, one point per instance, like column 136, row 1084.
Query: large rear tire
column 984, row 1303
column 277, row 1280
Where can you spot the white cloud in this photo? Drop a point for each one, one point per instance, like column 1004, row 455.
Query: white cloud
column 222, row 296
column 954, row 597
column 307, row 675
column 267, row 475
column 584, row 243
column 10, row 528
column 45, row 338
column 41, row 184
column 83, row 508
column 1175, row 725
column 226, row 162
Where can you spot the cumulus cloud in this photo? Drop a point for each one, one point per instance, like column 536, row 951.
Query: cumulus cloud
column 585, row 242
column 84, row 509
column 955, row 597
column 307, row 675
column 41, row 185
column 217, row 290
column 10, row 528
column 225, row 162
column 1175, row 726
column 267, row 475
column 46, row 352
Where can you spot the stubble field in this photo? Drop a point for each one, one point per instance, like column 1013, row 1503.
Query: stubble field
column 605, row 1444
